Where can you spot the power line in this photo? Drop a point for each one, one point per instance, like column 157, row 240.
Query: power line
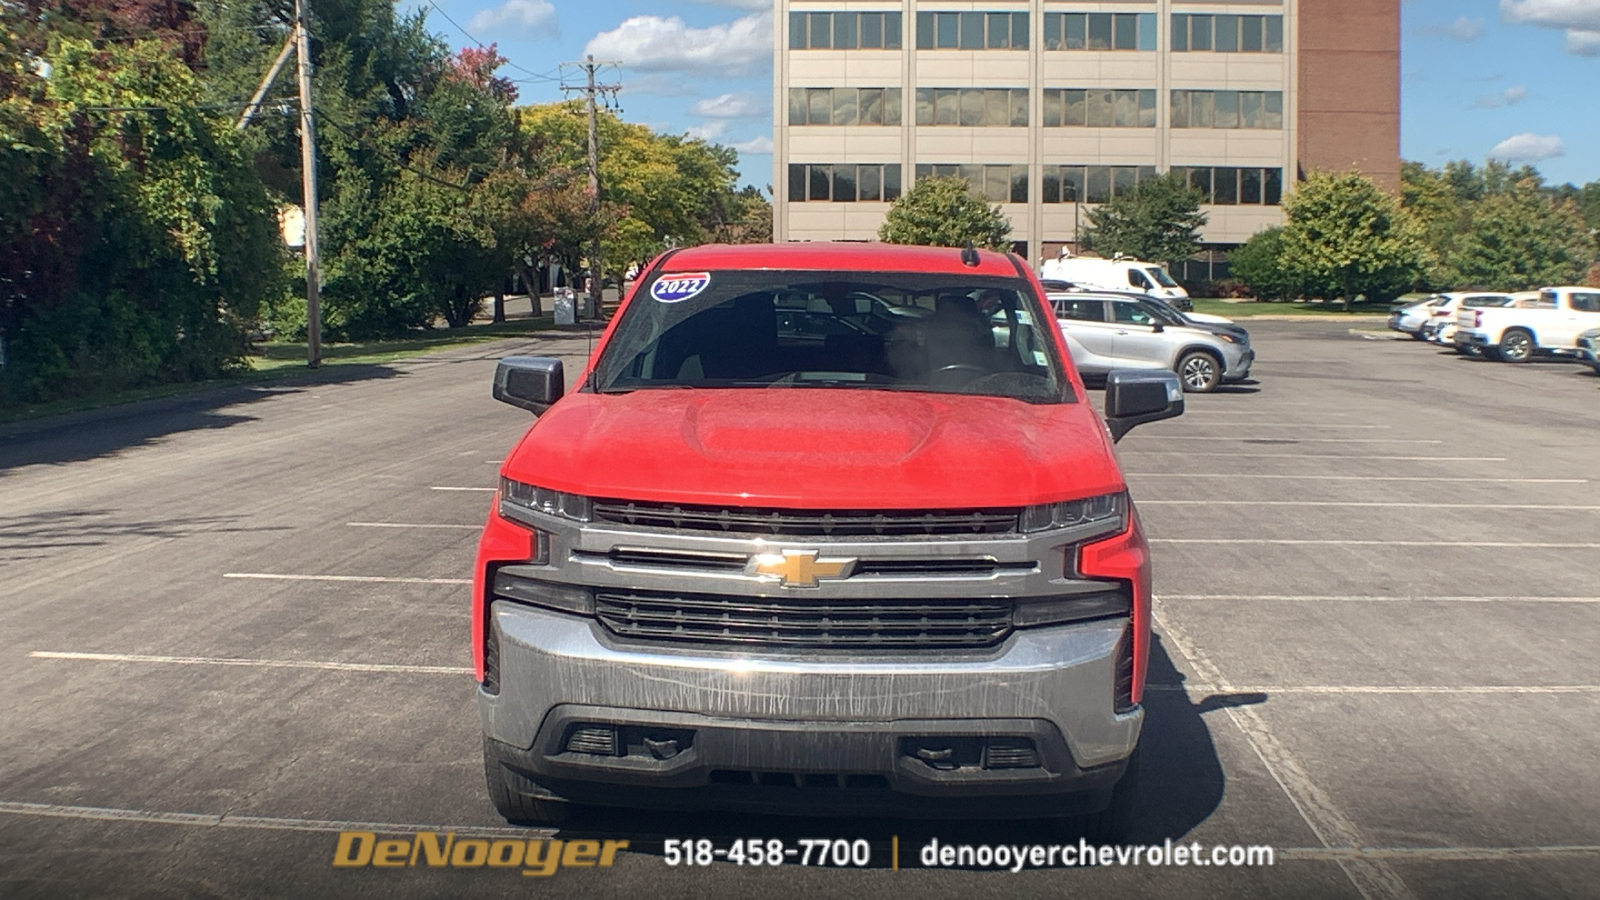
column 483, row 46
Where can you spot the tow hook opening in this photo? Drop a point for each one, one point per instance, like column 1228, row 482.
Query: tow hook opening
column 949, row 754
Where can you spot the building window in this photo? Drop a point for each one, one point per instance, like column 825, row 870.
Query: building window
column 972, row 31
column 844, row 106
column 973, row 107
column 1227, row 109
column 844, row 30
column 1227, row 33
column 1234, row 186
column 1100, row 108
column 994, row 183
column 843, row 182
column 1100, row 31
column 1090, row 184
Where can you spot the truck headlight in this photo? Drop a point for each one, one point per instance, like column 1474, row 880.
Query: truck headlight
column 543, row 500
column 1111, row 510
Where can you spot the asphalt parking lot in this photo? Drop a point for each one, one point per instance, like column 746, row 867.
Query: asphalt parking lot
column 233, row 625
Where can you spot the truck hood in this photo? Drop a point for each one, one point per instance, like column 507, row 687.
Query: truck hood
column 817, row 449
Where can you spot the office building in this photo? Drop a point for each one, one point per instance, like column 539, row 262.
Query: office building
column 1050, row 106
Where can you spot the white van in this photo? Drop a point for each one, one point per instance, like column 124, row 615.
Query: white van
column 1117, row 274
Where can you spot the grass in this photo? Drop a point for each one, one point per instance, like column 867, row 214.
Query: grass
column 1310, row 310
column 282, row 361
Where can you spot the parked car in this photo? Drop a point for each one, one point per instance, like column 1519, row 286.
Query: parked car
column 735, row 571
column 1550, row 325
column 1185, row 312
column 1117, row 274
column 1109, row 331
column 1440, row 328
column 1589, row 349
column 1410, row 318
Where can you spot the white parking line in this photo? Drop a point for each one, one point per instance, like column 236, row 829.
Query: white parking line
column 1375, row 879
column 487, row 490
column 1358, row 477
column 409, row 525
column 1365, row 543
column 1300, row 440
column 265, row 823
column 1315, row 425
column 1377, row 689
column 251, row 663
column 1323, row 598
column 1319, row 456
column 1550, row 506
column 364, row 579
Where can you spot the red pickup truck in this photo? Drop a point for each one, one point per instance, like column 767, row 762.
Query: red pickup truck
column 823, row 528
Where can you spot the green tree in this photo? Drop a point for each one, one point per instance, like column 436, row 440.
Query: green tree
column 144, row 242
column 1521, row 238
column 944, row 212
column 1589, row 205
column 1159, row 221
column 658, row 190
column 1346, row 238
column 1259, row 263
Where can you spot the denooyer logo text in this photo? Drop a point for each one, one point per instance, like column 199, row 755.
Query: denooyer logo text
column 536, row 858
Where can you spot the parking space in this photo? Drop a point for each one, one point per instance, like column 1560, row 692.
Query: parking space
column 231, row 628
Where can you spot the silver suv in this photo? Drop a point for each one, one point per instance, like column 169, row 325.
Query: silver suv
column 1111, row 331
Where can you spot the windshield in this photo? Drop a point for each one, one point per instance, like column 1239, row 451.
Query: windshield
column 886, row 331
column 1161, row 277
column 1165, row 311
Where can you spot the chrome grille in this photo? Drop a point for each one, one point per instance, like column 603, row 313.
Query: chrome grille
column 802, row 522
column 750, row 621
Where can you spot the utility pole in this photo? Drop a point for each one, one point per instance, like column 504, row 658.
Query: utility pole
column 266, row 83
column 308, row 187
column 591, row 92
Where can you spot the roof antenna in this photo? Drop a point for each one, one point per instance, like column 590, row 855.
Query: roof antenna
column 969, row 256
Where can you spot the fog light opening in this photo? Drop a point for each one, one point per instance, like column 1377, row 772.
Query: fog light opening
column 596, row 740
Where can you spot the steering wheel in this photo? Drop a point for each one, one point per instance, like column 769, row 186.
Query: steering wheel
column 972, row 370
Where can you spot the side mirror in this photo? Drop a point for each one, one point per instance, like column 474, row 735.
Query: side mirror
column 1157, row 328
column 529, row 382
column 1137, row 396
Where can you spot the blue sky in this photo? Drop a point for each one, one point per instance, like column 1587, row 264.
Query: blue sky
column 1514, row 79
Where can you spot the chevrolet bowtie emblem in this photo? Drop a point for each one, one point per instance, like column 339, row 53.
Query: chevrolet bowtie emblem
column 799, row 568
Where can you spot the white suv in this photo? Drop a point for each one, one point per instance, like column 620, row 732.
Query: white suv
column 1106, row 332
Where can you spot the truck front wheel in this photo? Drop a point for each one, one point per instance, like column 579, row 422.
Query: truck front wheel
column 514, row 795
column 1516, row 346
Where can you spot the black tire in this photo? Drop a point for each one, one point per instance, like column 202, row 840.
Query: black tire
column 1517, row 346
column 1490, row 353
column 515, row 796
column 1199, row 371
column 1114, row 824
column 1417, row 336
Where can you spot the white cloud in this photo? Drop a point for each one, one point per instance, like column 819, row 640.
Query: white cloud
column 656, row 44
column 706, row 131
column 1583, row 42
column 1511, row 96
column 760, row 145
column 1580, row 19
column 731, row 106
column 1465, row 29
column 1528, row 148
column 529, row 18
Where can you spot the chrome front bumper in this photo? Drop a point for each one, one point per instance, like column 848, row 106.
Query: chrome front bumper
column 803, row 714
